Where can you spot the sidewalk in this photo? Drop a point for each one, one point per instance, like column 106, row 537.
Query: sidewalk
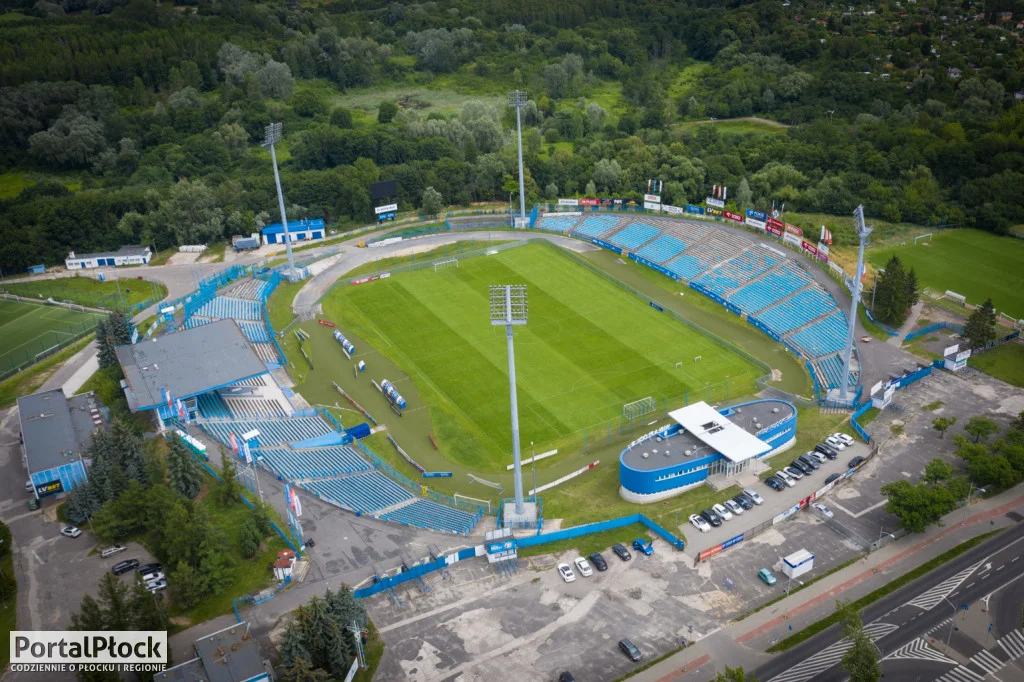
column 741, row 643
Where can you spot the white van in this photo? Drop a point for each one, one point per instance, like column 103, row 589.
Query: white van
column 29, row 486
column 111, row 551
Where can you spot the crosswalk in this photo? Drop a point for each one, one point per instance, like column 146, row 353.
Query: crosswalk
column 918, row 649
column 984, row 660
column 829, row 656
column 1013, row 644
column 930, row 599
column 960, row 674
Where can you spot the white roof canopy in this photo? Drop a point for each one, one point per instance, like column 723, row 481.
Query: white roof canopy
column 717, row 432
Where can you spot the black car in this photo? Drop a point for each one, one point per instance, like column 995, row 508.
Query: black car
column 711, row 517
column 855, row 462
column 743, row 501
column 826, row 450
column 810, row 461
column 802, row 467
column 833, row 477
column 774, row 484
column 599, row 562
column 146, row 569
column 124, row 566
column 630, row 650
column 621, row 552
column 566, row 677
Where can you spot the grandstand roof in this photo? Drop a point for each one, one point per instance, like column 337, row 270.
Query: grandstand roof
column 707, row 425
column 187, row 363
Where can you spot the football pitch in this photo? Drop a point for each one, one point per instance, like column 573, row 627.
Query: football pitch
column 589, row 347
column 972, row 263
column 27, row 329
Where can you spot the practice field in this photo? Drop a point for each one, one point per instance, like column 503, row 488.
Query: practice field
column 973, row 263
column 27, row 329
column 589, row 347
column 110, row 294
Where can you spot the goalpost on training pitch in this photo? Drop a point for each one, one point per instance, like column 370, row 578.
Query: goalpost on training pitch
column 446, row 264
column 639, row 408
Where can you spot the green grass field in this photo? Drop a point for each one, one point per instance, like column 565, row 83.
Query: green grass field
column 88, row 291
column 973, row 263
column 1005, row 362
column 588, row 349
column 27, row 329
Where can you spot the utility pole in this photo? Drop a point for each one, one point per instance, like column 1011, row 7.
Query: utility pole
column 273, row 136
column 517, row 99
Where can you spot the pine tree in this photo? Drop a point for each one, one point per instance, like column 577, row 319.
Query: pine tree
column 183, row 470
column 228, row 491
column 117, row 608
column 303, row 671
column 89, row 617
column 891, row 294
column 184, row 581
column 293, row 645
column 104, row 342
column 249, row 538
column 911, row 289
column 981, row 325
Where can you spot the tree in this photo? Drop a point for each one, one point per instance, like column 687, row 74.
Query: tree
column 893, row 297
column 191, row 213
column 303, row 671
column 341, row 117
column 249, row 538
column 606, row 174
column 980, row 328
column 937, row 470
column 591, row 189
column 276, row 81
column 744, row 196
column 597, row 116
column 862, row 660
column 183, row 470
column 227, row 490
column 73, row 141
column 432, row 201
column 318, row 633
column 386, row 112
column 734, row 675
column 918, row 506
column 981, row 427
column 942, row 424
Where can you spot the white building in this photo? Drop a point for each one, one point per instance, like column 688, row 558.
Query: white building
column 126, row 255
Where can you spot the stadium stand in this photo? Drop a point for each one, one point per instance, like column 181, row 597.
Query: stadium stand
column 596, row 225
column 769, row 289
column 314, row 463
column 272, row 431
column 705, row 255
column 822, row 337
column 267, row 353
column 832, row 369
column 557, row 223
column 634, row 235
column 212, row 407
column 737, row 270
column 256, row 332
column 222, row 307
column 665, row 247
column 365, row 493
column 255, row 407
column 248, row 288
column 796, row 311
column 427, row 514
column 686, row 230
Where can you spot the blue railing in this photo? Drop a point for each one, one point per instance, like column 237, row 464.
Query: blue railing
column 857, row 427
column 932, row 328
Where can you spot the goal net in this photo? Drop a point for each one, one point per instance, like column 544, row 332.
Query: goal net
column 446, row 264
column 639, row 408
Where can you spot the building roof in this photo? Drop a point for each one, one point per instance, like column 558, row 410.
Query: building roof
column 56, row 430
column 188, row 362
column 228, row 655
column 295, row 226
column 124, row 251
column 801, row 556
column 717, row 432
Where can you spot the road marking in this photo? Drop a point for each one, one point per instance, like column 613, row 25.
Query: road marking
column 960, row 674
column 918, row 649
column 1013, row 644
column 861, row 512
column 931, row 598
column 830, row 656
column 987, row 662
column 1001, row 567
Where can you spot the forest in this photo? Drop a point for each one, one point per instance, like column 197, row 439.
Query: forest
column 129, row 121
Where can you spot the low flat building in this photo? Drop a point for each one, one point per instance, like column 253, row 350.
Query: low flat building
column 126, row 255
column 307, row 229
column 228, row 655
column 55, row 434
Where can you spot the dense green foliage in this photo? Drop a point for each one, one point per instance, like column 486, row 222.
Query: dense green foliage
column 1000, row 464
column 911, row 110
column 318, row 638
column 895, row 293
column 981, row 325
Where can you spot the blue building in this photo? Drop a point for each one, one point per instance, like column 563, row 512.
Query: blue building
column 704, row 442
column 55, row 434
column 303, row 230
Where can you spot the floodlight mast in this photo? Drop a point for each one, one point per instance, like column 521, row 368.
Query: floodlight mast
column 517, row 99
column 272, row 136
column 863, row 231
column 509, row 307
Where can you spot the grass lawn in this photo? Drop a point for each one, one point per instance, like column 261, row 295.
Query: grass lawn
column 214, row 253
column 373, row 651
column 11, row 185
column 8, row 612
column 589, row 348
column 973, row 263
column 1005, row 362
column 27, row 329
column 279, row 305
column 89, row 291
column 423, row 99
column 31, row 379
column 735, row 127
column 441, row 252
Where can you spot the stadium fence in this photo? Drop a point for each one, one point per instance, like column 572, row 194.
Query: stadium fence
column 933, row 327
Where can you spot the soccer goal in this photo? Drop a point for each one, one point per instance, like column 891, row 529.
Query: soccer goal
column 639, row 408
column 446, row 264
column 927, row 236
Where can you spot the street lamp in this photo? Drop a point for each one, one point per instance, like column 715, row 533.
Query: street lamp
column 517, row 100
column 830, row 112
column 952, row 623
column 272, row 136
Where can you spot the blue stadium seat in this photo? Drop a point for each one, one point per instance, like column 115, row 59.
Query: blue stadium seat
column 427, row 514
column 272, row 431
column 553, row 222
column 738, row 270
column 315, row 462
column 367, row 493
column 822, row 337
column 222, row 307
column 773, row 287
column 805, row 306
column 665, row 247
column 212, row 407
column 596, row 225
column 256, row 332
column 634, row 235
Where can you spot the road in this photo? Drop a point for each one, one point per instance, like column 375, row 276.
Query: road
column 898, row 621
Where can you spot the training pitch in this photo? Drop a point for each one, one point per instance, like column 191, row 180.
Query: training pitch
column 27, row 329
column 589, row 347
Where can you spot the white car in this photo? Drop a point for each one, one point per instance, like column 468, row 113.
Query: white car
column 583, row 567
column 785, row 478
column 844, row 438
column 817, row 456
column 157, row 586
column 153, row 578
column 823, row 509
column 734, row 507
column 70, row 531
column 754, row 497
column 566, row 573
column 699, row 523
column 792, row 472
column 835, row 443
column 722, row 512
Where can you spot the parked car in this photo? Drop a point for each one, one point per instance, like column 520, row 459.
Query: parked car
column 823, row 509
column 157, row 586
column 566, row 677
column 733, row 506
column 70, row 531
column 767, row 576
column 153, row 577
column 724, row 513
column 810, row 461
column 817, row 455
column 785, row 478
column 33, row 504
column 630, row 650
column 30, row 487
column 583, row 567
column 124, row 566
column 793, row 472
column 566, row 573
column 800, row 467
column 599, row 563
column 744, row 501
column 856, row 462
column 146, row 569
column 621, row 552
column 711, row 517
column 699, row 523
column 826, row 450
column 111, row 551
column 775, row 484
column 834, row 442
column 844, row 438
column 644, row 546
column 833, row 477
column 754, row 497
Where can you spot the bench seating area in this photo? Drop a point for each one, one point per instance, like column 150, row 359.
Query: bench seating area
column 822, row 337
column 832, row 370
column 212, row 407
column 696, row 259
column 314, row 463
column 247, row 288
column 222, row 307
column 666, row 247
column 256, row 332
column 557, row 223
column 634, row 236
column 770, row 289
column 427, row 514
column 365, row 493
column 738, row 270
column 255, row 408
column 272, row 431
column 596, row 225
column 797, row 311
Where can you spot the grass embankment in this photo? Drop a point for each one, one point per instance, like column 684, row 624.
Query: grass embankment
column 889, row 588
column 279, row 304
column 373, row 652
column 8, row 610
column 870, row 326
column 1005, row 362
column 29, row 381
column 111, row 294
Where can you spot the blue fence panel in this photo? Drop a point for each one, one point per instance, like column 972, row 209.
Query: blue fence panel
column 605, row 245
column 662, row 533
column 888, row 330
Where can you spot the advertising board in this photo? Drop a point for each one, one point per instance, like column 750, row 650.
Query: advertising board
column 711, row 201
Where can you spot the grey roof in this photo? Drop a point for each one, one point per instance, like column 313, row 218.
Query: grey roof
column 188, row 362
column 132, row 250
column 228, row 655
column 55, row 429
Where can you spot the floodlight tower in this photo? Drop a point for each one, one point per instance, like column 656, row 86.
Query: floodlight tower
column 509, row 308
column 517, row 99
column 863, row 231
column 272, row 136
